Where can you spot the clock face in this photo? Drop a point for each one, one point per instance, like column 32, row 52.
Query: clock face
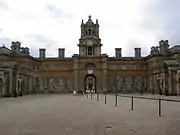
column 89, row 42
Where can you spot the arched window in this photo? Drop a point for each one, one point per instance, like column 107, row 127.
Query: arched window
column 93, row 32
column 89, row 31
column 90, row 50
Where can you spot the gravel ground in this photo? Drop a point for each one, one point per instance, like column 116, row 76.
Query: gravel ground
column 77, row 115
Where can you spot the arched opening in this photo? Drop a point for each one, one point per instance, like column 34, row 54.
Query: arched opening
column 93, row 32
column 90, row 82
column 89, row 31
column 1, row 87
column 22, row 87
column 90, row 65
column 18, row 86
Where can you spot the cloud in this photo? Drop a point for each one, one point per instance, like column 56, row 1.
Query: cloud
column 161, row 18
column 3, row 5
column 36, row 41
column 55, row 11
column 5, row 41
column 124, row 24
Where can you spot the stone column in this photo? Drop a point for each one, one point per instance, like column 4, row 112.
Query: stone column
column 40, row 83
column 75, row 73
column 154, row 84
column 76, row 80
column 104, row 73
column 177, row 82
column 170, row 81
column 164, row 83
column 10, row 82
column 30, row 85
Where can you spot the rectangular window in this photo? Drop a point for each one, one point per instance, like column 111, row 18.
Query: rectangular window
column 90, row 50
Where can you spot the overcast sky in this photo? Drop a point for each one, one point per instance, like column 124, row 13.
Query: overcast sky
column 125, row 24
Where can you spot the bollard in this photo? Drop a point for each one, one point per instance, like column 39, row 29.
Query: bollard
column 87, row 95
column 105, row 100
column 97, row 96
column 116, row 104
column 132, row 104
column 159, row 107
column 91, row 95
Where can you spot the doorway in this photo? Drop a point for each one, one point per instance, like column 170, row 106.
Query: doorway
column 90, row 82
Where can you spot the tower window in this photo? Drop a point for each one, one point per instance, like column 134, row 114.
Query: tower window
column 86, row 32
column 93, row 32
column 90, row 50
column 89, row 31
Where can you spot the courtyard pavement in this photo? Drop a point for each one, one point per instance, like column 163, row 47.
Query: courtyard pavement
column 79, row 115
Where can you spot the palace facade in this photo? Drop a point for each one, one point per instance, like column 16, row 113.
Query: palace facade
column 21, row 73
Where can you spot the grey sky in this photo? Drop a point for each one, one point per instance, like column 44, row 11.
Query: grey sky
column 53, row 24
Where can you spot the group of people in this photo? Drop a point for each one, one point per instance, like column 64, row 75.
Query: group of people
column 83, row 92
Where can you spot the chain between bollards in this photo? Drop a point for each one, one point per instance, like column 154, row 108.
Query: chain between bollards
column 116, row 104
column 159, row 107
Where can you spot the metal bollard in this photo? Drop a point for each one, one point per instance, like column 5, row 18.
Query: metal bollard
column 91, row 95
column 87, row 95
column 116, row 104
column 132, row 104
column 159, row 107
column 98, row 96
column 105, row 100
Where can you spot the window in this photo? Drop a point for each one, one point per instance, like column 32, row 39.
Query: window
column 89, row 31
column 90, row 50
column 93, row 32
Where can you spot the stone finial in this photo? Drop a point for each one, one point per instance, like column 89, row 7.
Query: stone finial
column 97, row 22
column 82, row 22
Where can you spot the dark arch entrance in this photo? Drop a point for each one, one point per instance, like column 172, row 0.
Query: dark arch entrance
column 90, row 82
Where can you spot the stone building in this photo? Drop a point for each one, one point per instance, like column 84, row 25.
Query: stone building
column 21, row 73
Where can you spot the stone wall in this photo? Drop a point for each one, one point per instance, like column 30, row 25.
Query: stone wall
column 126, row 84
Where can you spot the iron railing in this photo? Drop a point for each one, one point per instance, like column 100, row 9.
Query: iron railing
column 132, row 100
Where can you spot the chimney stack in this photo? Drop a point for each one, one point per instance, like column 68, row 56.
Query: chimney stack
column 15, row 46
column 137, row 53
column 42, row 53
column 118, row 52
column 61, row 53
column 164, row 46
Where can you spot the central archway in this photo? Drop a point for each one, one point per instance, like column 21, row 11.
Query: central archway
column 90, row 82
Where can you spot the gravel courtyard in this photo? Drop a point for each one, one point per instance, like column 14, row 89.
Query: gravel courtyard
column 77, row 115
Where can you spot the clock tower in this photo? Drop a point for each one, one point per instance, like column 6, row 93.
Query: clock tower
column 89, row 43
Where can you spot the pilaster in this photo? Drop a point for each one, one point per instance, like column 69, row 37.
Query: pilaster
column 104, row 72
